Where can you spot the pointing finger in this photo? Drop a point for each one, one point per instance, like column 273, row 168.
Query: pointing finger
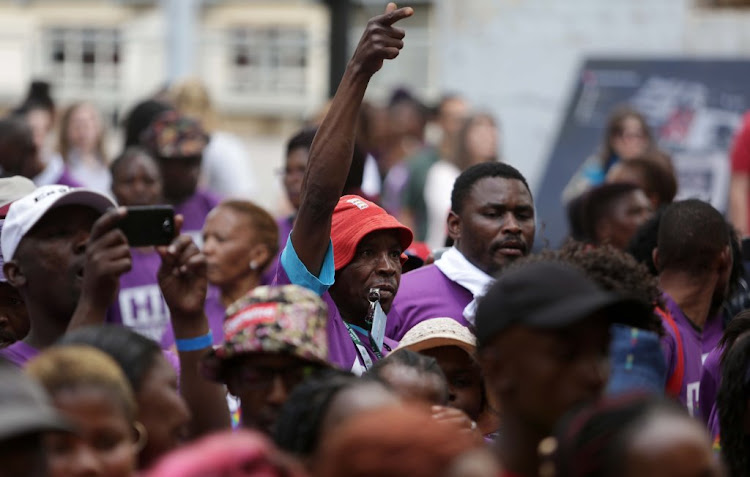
column 389, row 18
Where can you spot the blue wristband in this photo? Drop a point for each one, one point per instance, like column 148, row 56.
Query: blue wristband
column 194, row 344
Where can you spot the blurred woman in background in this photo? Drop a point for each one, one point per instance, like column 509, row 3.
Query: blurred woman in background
column 81, row 145
column 240, row 239
column 226, row 167
column 626, row 136
column 478, row 141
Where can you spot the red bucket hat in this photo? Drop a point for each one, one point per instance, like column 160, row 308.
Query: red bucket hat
column 355, row 217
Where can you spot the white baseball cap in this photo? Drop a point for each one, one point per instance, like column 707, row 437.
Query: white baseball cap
column 24, row 213
column 11, row 189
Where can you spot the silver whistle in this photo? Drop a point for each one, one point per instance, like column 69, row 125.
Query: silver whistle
column 374, row 295
column 374, row 298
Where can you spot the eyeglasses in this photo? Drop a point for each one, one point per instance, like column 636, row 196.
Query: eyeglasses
column 262, row 378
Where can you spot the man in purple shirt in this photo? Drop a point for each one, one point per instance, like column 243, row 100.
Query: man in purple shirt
column 344, row 247
column 694, row 260
column 136, row 181
column 64, row 254
column 177, row 142
column 492, row 223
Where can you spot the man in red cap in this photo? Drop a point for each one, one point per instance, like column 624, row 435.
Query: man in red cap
column 348, row 249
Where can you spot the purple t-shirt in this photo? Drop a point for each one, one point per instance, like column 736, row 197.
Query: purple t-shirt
column 66, row 179
column 18, row 353
column 140, row 305
column 194, row 210
column 423, row 294
column 710, row 379
column 713, row 330
column 342, row 351
column 692, row 355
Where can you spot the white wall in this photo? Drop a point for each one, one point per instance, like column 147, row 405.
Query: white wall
column 519, row 58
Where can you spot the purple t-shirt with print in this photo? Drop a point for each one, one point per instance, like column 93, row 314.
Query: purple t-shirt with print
column 692, row 355
column 18, row 353
column 423, row 294
column 342, row 351
column 140, row 305
column 194, row 210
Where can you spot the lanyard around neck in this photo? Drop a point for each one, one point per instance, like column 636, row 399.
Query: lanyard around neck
column 364, row 355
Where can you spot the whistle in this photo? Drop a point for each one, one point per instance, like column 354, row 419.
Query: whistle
column 374, row 295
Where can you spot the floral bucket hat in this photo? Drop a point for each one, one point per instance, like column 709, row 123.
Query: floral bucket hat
column 287, row 320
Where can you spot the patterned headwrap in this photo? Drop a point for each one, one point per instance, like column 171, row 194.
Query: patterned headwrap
column 172, row 136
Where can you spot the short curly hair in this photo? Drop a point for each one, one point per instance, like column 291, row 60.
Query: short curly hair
column 611, row 269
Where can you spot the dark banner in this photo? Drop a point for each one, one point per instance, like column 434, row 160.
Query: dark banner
column 694, row 107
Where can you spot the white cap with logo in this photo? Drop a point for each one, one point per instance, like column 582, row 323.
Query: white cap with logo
column 24, row 213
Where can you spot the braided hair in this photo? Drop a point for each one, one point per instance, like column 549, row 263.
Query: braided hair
column 732, row 400
column 611, row 269
column 298, row 426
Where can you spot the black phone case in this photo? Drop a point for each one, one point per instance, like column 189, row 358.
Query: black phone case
column 149, row 225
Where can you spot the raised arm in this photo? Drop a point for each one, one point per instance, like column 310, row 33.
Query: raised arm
column 332, row 149
column 182, row 279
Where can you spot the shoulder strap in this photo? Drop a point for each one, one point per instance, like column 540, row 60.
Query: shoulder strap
column 674, row 382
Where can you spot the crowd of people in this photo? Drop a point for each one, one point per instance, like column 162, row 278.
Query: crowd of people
column 398, row 322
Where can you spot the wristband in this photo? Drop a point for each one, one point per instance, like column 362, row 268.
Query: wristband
column 194, row 344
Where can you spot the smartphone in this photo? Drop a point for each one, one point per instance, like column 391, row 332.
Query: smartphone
column 149, row 225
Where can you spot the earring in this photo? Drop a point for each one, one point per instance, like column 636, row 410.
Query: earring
column 140, row 429
column 253, row 265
